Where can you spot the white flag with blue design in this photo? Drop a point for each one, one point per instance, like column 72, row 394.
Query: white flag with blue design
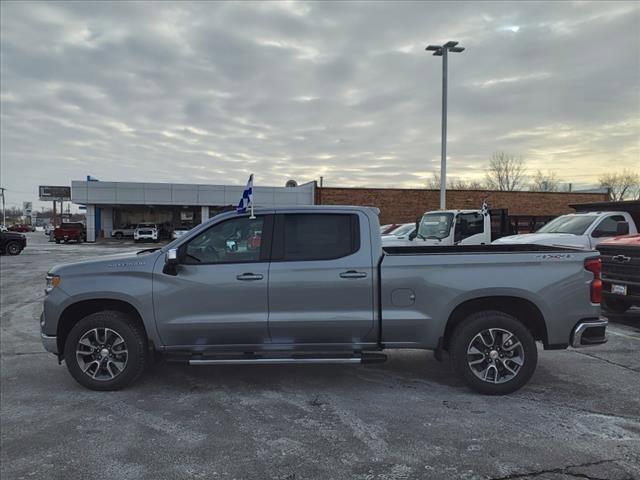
column 247, row 197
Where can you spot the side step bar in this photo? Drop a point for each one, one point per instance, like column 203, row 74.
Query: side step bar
column 251, row 360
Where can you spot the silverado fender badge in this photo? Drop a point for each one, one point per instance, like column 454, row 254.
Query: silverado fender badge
column 127, row 264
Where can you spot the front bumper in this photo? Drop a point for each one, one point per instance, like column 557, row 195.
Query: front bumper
column 589, row 332
column 50, row 343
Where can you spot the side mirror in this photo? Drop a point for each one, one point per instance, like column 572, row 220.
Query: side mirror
column 413, row 234
column 171, row 262
column 622, row 228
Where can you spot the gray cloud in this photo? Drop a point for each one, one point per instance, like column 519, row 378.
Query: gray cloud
column 208, row 92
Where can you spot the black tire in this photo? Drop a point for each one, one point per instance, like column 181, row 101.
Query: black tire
column 119, row 235
column 616, row 305
column 135, row 343
column 12, row 248
column 467, row 334
column 57, row 240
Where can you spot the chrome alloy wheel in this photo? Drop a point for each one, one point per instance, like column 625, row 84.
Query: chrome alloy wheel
column 495, row 355
column 102, row 354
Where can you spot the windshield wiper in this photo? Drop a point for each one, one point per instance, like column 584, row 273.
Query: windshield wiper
column 148, row 250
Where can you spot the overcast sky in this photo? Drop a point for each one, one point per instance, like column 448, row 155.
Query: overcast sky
column 209, row 92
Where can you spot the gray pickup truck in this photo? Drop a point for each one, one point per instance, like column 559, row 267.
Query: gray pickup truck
column 314, row 285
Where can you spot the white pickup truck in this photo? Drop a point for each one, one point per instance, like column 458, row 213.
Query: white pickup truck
column 577, row 230
column 446, row 228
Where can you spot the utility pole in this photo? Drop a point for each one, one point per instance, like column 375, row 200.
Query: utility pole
column 4, row 216
column 443, row 51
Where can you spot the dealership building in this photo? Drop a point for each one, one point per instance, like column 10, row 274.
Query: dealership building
column 112, row 205
column 117, row 204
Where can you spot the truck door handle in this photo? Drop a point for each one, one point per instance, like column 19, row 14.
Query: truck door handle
column 250, row 276
column 353, row 274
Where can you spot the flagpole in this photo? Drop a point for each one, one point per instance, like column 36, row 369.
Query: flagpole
column 252, row 216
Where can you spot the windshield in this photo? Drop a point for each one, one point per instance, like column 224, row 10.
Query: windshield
column 575, row 225
column 435, row 225
column 403, row 229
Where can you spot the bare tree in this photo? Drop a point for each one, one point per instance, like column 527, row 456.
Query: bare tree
column 545, row 182
column 434, row 182
column 459, row 184
column 506, row 172
column 454, row 183
column 622, row 186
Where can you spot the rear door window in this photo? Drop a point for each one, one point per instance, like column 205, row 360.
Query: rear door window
column 316, row 236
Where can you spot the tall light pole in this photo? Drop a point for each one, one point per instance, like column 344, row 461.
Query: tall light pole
column 442, row 51
column 4, row 218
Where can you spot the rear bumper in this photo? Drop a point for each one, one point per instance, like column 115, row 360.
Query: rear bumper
column 589, row 332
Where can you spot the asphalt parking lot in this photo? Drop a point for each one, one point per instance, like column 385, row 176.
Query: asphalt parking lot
column 579, row 417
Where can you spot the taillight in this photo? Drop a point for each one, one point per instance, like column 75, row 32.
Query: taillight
column 594, row 265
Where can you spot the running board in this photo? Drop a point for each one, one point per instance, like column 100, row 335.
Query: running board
column 368, row 358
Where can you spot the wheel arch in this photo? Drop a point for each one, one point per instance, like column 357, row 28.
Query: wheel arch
column 75, row 312
column 522, row 309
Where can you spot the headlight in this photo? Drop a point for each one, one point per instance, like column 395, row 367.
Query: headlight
column 52, row 282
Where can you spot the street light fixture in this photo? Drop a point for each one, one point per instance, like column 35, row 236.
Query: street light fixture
column 443, row 51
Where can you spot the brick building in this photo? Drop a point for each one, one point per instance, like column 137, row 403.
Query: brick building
column 405, row 205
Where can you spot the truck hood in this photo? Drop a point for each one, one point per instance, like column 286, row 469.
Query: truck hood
column 552, row 239
column 130, row 261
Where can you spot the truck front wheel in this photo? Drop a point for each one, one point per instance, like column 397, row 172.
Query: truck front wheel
column 105, row 351
column 494, row 352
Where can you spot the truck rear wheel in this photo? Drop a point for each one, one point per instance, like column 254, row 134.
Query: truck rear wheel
column 494, row 352
column 105, row 351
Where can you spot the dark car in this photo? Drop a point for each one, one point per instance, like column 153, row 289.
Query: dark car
column 12, row 243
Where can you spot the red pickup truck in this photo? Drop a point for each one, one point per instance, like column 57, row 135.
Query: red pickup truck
column 620, row 272
column 70, row 231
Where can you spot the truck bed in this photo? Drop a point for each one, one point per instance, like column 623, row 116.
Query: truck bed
column 513, row 248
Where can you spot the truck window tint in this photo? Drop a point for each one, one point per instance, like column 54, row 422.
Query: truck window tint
column 573, row 224
column 320, row 237
column 233, row 241
column 468, row 224
column 435, row 225
column 608, row 226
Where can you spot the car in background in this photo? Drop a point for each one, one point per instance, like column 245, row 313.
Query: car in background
column 179, row 232
column 401, row 232
column 3, row 228
column 12, row 243
column 620, row 273
column 146, row 232
column 48, row 228
column 388, row 228
column 126, row 231
column 577, row 230
column 21, row 227
column 68, row 232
